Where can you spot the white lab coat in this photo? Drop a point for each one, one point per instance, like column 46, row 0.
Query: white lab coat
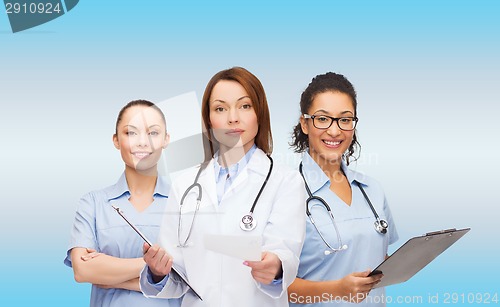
column 223, row 281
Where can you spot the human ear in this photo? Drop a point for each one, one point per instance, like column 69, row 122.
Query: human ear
column 303, row 125
column 166, row 141
column 115, row 141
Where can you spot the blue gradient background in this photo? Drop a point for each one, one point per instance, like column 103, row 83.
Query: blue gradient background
column 426, row 72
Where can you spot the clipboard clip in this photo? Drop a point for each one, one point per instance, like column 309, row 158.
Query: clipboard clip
column 450, row 231
column 174, row 270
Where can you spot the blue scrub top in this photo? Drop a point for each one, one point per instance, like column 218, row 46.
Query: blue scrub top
column 98, row 226
column 366, row 247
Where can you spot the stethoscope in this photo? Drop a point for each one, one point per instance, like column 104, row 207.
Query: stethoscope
column 247, row 222
column 380, row 224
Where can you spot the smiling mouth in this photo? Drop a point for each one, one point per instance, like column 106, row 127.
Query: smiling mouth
column 332, row 143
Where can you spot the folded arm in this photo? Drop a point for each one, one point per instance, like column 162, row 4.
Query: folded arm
column 105, row 270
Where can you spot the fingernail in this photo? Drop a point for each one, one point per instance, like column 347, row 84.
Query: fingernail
column 245, row 263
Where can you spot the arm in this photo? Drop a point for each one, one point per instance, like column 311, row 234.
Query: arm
column 158, row 262
column 281, row 242
column 132, row 285
column 104, row 270
column 353, row 287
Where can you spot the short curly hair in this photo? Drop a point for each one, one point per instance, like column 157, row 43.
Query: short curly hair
column 329, row 82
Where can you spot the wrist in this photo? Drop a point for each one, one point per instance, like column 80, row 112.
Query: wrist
column 155, row 278
column 279, row 275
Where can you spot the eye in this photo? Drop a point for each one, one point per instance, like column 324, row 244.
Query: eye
column 246, row 106
column 345, row 120
column 219, row 109
column 322, row 119
column 154, row 133
column 130, row 133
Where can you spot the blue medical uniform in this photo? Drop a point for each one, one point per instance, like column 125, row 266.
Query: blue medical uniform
column 366, row 247
column 98, row 226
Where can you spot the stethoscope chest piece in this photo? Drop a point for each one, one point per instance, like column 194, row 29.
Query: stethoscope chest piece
column 248, row 223
column 381, row 226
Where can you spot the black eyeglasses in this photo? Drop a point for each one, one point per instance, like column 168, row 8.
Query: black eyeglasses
column 347, row 123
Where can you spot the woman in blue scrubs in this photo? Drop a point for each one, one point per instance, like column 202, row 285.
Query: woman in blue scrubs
column 341, row 248
column 104, row 250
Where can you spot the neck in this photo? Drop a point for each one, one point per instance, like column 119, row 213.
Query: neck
column 141, row 181
column 331, row 167
column 232, row 155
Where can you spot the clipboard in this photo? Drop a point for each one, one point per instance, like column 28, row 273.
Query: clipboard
column 174, row 269
column 415, row 254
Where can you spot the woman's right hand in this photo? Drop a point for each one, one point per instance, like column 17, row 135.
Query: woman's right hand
column 357, row 285
column 158, row 260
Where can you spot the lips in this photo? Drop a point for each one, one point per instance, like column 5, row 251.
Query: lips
column 332, row 144
column 235, row 132
column 141, row 155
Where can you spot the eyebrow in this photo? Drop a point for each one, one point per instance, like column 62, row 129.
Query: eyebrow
column 134, row 127
column 324, row 111
column 239, row 99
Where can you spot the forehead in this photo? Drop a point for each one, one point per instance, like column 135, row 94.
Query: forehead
column 140, row 116
column 332, row 102
column 227, row 91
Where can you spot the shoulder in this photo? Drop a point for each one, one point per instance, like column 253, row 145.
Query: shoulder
column 99, row 194
column 261, row 161
column 365, row 180
column 104, row 194
column 187, row 176
column 286, row 171
column 370, row 185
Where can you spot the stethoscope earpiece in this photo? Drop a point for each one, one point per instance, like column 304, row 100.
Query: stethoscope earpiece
column 331, row 251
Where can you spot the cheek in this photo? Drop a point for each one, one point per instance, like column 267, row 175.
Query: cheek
column 123, row 142
column 253, row 122
column 215, row 121
column 314, row 134
column 157, row 142
column 350, row 137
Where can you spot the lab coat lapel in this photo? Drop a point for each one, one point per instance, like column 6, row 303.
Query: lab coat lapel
column 207, row 181
column 258, row 165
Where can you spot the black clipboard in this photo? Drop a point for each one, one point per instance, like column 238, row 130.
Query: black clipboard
column 415, row 254
column 174, row 270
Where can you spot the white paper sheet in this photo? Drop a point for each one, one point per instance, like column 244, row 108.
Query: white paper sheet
column 242, row 247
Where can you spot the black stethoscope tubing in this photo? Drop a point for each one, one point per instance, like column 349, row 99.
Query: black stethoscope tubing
column 380, row 225
column 248, row 222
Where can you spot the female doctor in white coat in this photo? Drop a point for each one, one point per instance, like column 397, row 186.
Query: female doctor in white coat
column 351, row 231
column 242, row 193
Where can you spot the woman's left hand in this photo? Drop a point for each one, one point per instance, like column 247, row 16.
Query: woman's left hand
column 267, row 269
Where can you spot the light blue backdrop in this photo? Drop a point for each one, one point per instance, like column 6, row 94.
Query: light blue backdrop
column 427, row 75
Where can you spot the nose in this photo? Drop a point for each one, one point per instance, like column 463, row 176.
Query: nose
column 233, row 116
column 143, row 140
column 334, row 129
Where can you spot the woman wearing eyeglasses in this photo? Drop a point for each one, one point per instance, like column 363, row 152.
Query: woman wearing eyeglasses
column 349, row 225
column 238, row 192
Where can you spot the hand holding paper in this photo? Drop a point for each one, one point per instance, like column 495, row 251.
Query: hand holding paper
column 267, row 269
